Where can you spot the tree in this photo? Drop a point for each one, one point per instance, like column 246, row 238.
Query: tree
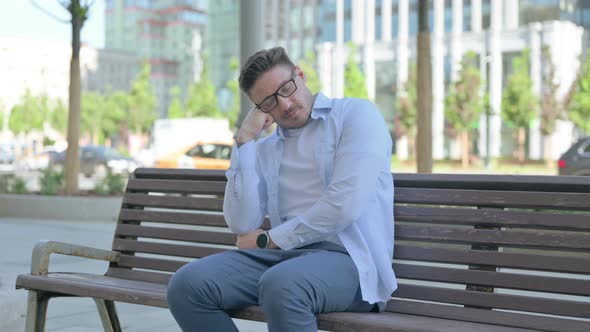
column 307, row 66
column 29, row 114
column 175, row 110
column 551, row 108
column 116, row 106
column 579, row 109
column 91, row 116
column 202, row 100
column 463, row 104
column 519, row 104
column 79, row 13
column 405, row 116
column 58, row 119
column 142, row 103
column 354, row 80
column 424, row 92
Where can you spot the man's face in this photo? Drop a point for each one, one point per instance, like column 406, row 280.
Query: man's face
column 289, row 112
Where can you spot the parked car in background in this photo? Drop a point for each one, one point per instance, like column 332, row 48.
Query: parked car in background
column 98, row 159
column 201, row 155
column 576, row 160
column 6, row 159
column 40, row 160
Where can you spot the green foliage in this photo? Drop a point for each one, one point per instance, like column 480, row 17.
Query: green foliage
column 202, row 100
column 29, row 114
column 142, row 103
column 59, row 117
column 52, row 181
column 519, row 104
column 116, row 106
column 111, row 184
column 175, row 110
column 11, row 184
column 463, row 103
column 354, row 79
column 579, row 109
column 406, row 105
column 551, row 109
column 233, row 86
column 307, row 66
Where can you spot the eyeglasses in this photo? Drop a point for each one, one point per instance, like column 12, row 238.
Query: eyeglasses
column 285, row 90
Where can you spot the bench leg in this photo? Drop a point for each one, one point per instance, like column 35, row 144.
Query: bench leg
column 108, row 315
column 36, row 311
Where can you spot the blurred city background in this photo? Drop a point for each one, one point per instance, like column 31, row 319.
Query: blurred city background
column 158, row 79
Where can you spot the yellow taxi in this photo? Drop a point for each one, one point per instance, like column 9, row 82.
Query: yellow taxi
column 202, row 155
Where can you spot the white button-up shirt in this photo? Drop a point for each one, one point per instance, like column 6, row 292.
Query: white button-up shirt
column 352, row 154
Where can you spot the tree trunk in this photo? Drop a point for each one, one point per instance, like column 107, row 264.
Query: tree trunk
column 424, row 93
column 521, row 142
column 465, row 149
column 72, row 159
column 548, row 151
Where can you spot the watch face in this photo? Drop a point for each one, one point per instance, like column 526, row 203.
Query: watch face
column 262, row 240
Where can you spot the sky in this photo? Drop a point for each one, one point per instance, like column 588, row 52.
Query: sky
column 20, row 18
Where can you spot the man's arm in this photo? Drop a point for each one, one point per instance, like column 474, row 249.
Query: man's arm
column 244, row 204
column 363, row 154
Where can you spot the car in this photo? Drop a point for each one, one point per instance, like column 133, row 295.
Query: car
column 6, row 159
column 97, row 160
column 576, row 160
column 201, row 155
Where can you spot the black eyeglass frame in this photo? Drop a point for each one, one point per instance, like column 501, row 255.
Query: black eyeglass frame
column 277, row 93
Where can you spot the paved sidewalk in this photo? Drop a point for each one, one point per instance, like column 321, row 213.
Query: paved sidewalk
column 17, row 238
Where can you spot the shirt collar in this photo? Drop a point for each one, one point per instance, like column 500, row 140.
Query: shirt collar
column 320, row 108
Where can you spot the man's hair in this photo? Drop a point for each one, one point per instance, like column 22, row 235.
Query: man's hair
column 259, row 63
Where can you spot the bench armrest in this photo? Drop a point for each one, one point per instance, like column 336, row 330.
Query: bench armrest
column 44, row 248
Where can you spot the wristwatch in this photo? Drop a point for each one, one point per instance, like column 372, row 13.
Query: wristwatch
column 262, row 240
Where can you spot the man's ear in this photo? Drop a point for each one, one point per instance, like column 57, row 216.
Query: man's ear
column 301, row 74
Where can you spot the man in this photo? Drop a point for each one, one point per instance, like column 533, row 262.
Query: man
column 323, row 178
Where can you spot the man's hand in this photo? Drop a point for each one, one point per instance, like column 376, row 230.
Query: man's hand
column 248, row 240
column 256, row 121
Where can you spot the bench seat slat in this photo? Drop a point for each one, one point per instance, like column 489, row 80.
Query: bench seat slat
column 471, row 216
column 176, row 234
column 494, row 300
column 154, row 294
column 505, row 237
column 560, row 285
column 177, row 186
column 541, row 262
column 520, row 319
column 494, row 198
column 184, row 218
column 190, row 203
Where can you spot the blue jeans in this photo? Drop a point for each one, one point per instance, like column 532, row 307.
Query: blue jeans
column 291, row 286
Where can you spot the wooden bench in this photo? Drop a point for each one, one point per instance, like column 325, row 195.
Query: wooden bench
column 472, row 252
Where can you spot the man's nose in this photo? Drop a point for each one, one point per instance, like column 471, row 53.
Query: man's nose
column 284, row 103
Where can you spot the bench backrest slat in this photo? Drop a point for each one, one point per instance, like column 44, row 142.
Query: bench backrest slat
column 466, row 256
column 494, row 198
column 198, row 218
column 500, row 280
column 474, row 242
column 504, row 237
column 495, row 217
